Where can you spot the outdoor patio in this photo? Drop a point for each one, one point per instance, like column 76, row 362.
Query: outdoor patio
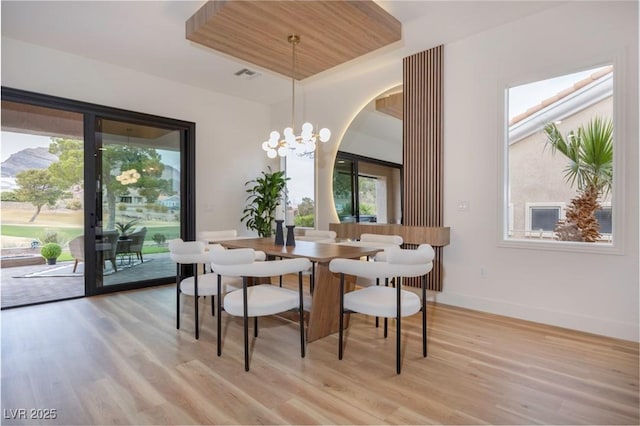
column 24, row 285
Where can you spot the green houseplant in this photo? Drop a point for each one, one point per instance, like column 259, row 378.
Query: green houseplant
column 51, row 251
column 125, row 227
column 265, row 193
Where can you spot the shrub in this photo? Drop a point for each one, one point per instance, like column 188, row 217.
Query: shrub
column 122, row 207
column 305, row 221
column 50, row 237
column 8, row 196
column 74, row 204
column 159, row 238
column 51, row 251
column 139, row 210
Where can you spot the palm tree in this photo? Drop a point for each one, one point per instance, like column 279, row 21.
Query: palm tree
column 590, row 169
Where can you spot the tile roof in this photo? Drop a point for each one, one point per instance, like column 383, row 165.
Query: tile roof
column 562, row 94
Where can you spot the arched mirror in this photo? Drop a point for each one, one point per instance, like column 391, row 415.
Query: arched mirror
column 367, row 174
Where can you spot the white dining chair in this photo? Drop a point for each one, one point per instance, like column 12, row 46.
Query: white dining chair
column 206, row 284
column 382, row 301
column 261, row 299
column 317, row 236
column 210, row 237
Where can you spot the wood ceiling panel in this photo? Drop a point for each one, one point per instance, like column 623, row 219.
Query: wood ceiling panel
column 331, row 32
column 37, row 120
column 391, row 105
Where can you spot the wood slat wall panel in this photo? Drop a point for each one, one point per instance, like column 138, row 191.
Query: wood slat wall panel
column 422, row 147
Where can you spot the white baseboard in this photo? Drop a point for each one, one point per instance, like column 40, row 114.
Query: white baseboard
column 605, row 327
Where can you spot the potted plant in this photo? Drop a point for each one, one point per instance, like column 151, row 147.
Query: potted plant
column 125, row 227
column 265, row 194
column 51, row 251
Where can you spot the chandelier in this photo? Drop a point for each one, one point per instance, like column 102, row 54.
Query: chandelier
column 128, row 177
column 302, row 144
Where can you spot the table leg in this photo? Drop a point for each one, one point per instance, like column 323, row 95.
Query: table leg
column 325, row 310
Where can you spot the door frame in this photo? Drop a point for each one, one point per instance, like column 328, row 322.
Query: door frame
column 91, row 113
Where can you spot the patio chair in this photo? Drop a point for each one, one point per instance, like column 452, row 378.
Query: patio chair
column 76, row 247
column 137, row 241
column 108, row 246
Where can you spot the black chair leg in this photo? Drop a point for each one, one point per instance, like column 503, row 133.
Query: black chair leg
column 195, row 298
column 398, row 335
column 386, row 320
column 178, row 296
column 341, row 316
column 245, row 323
column 377, row 319
column 219, row 322
column 312, row 280
column 424, row 316
column 398, row 328
column 213, row 310
column 301, row 313
column 255, row 327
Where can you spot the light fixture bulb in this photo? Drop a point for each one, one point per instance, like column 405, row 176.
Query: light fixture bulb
column 325, row 134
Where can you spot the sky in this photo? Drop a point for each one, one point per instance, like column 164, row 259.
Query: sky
column 14, row 142
column 525, row 96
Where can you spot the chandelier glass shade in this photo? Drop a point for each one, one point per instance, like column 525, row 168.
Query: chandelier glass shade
column 289, row 142
column 128, row 177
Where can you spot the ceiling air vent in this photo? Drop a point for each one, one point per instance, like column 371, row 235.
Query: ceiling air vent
column 246, row 73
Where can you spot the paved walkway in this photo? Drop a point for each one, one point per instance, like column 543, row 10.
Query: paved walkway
column 15, row 290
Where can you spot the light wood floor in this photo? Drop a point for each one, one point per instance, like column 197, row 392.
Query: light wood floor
column 118, row 359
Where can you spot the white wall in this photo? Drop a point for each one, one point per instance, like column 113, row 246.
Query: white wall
column 591, row 292
column 226, row 127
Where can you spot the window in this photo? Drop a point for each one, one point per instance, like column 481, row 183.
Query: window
column 552, row 126
column 541, row 219
column 301, row 188
column 603, row 215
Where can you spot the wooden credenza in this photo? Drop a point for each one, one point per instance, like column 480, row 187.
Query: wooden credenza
column 438, row 237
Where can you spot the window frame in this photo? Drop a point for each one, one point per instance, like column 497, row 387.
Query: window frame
column 528, row 230
column 617, row 245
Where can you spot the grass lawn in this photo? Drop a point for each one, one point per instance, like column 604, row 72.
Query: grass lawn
column 38, row 232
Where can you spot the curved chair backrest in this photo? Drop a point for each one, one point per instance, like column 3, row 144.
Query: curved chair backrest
column 425, row 249
column 187, row 251
column 317, row 235
column 400, row 263
column 211, row 236
column 241, row 263
column 380, row 238
column 137, row 238
column 110, row 237
column 76, row 247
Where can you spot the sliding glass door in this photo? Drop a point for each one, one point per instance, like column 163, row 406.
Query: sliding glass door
column 42, row 204
column 108, row 187
column 138, row 200
column 366, row 189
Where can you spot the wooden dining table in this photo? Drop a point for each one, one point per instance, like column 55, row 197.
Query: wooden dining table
column 325, row 308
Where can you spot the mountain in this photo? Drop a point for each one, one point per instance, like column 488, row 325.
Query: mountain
column 28, row 158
